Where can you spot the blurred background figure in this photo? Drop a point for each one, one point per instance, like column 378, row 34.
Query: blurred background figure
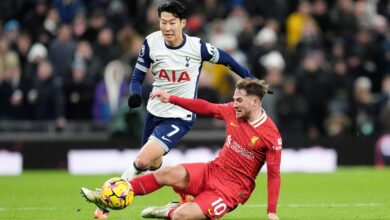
column 78, row 91
column 291, row 108
column 45, row 97
column 383, row 106
column 362, row 107
column 110, row 92
column 12, row 88
column 61, row 51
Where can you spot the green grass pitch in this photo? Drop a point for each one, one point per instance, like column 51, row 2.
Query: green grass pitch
column 349, row 193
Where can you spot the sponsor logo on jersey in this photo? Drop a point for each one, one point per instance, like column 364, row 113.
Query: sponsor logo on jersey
column 173, row 76
column 232, row 144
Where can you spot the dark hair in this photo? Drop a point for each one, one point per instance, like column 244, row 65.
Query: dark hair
column 253, row 87
column 175, row 7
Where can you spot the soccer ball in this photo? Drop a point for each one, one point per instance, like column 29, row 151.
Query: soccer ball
column 116, row 193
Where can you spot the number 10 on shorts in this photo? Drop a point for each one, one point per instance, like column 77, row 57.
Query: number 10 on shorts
column 219, row 207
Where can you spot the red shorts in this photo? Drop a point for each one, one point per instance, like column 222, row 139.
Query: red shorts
column 212, row 194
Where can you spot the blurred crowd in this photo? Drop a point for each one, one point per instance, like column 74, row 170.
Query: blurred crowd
column 327, row 61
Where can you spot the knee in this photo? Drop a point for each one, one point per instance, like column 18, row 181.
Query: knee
column 171, row 176
column 164, row 175
column 142, row 163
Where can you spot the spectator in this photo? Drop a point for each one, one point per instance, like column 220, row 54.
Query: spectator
column 337, row 125
column 362, row 106
column 46, row 96
column 291, row 108
column 94, row 66
column 67, row 9
column 52, row 21
column 12, row 89
column 33, row 19
column 110, row 92
column 96, row 22
column 61, row 51
column 343, row 21
column 264, row 42
column 315, row 87
column 297, row 22
column 23, row 46
column 383, row 106
column 78, row 90
column 105, row 48
column 37, row 53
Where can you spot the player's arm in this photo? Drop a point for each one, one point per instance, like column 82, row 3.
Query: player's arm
column 273, row 158
column 218, row 56
column 138, row 76
column 198, row 106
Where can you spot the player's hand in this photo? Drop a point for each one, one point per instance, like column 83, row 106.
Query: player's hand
column 134, row 100
column 272, row 216
column 161, row 94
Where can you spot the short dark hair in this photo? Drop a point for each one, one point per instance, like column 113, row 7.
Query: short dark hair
column 254, row 87
column 175, row 7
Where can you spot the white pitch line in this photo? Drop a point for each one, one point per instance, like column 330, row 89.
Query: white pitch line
column 334, row 205
column 320, row 205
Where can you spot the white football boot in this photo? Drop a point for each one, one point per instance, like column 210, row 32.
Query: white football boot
column 159, row 211
column 95, row 198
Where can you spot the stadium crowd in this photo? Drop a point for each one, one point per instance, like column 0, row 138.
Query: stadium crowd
column 327, row 62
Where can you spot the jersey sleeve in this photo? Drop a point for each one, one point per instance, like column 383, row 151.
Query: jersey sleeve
column 273, row 159
column 140, row 70
column 199, row 106
column 218, row 56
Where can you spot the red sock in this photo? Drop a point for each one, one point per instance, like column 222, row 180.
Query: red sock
column 170, row 213
column 144, row 184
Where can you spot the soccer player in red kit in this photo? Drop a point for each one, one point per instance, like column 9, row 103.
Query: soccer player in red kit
column 220, row 185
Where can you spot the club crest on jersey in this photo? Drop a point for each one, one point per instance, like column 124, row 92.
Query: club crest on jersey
column 187, row 60
column 254, row 139
column 173, row 76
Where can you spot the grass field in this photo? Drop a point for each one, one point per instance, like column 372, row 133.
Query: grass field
column 349, row 193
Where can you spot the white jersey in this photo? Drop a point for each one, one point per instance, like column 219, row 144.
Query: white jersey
column 176, row 70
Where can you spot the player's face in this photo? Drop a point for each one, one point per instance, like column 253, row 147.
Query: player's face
column 244, row 104
column 172, row 29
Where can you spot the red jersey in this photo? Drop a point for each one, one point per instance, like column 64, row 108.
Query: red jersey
column 247, row 147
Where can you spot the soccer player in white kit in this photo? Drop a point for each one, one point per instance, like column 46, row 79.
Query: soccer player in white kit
column 175, row 59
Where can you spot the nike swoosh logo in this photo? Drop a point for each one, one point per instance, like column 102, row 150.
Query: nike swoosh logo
column 232, row 124
column 164, row 138
column 159, row 59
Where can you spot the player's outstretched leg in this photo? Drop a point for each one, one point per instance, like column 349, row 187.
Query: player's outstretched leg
column 95, row 198
column 159, row 211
